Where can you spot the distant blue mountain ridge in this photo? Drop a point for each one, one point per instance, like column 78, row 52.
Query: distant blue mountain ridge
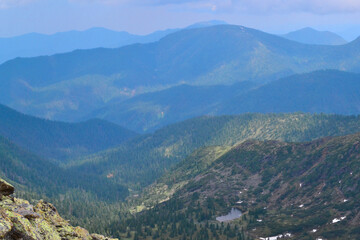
column 36, row 44
column 311, row 36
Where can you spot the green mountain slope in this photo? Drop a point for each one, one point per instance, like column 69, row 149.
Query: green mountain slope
column 154, row 110
column 223, row 54
column 312, row 36
column 327, row 91
column 59, row 140
column 140, row 161
column 35, row 174
column 79, row 196
column 321, row 91
column 309, row 190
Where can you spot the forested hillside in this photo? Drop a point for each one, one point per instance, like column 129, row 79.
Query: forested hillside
column 40, row 176
column 303, row 190
column 92, row 187
column 80, row 197
column 151, row 111
column 140, row 161
column 317, row 92
column 60, row 140
column 326, row 91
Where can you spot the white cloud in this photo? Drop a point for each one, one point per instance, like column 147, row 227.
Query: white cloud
column 105, row 2
column 242, row 6
column 4, row 4
column 265, row 6
column 286, row 6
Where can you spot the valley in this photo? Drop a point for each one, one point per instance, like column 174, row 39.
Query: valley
column 211, row 131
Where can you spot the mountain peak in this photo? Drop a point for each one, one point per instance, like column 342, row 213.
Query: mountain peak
column 207, row 24
column 310, row 35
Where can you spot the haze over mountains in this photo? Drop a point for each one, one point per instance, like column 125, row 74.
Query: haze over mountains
column 36, row 44
column 312, row 36
column 70, row 86
column 327, row 91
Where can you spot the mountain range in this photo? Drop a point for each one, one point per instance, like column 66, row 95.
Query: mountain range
column 327, row 91
column 72, row 85
column 215, row 131
column 59, row 140
column 36, row 44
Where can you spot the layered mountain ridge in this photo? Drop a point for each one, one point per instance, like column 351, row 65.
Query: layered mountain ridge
column 61, row 86
column 60, row 140
column 326, row 91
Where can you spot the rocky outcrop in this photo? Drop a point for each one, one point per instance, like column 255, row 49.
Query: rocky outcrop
column 6, row 188
column 19, row 220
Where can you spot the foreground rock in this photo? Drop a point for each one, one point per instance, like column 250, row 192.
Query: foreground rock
column 6, row 188
column 21, row 220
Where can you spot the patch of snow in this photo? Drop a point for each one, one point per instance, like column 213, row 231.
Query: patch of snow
column 276, row 237
column 335, row 220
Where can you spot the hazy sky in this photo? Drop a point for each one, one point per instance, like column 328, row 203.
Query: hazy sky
column 144, row 16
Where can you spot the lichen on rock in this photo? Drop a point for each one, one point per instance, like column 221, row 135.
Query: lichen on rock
column 20, row 220
column 6, row 188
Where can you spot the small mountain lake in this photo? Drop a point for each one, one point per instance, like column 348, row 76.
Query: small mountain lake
column 232, row 215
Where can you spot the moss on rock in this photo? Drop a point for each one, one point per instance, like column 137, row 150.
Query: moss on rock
column 21, row 220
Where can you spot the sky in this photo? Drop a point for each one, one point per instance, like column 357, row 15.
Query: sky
column 145, row 16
